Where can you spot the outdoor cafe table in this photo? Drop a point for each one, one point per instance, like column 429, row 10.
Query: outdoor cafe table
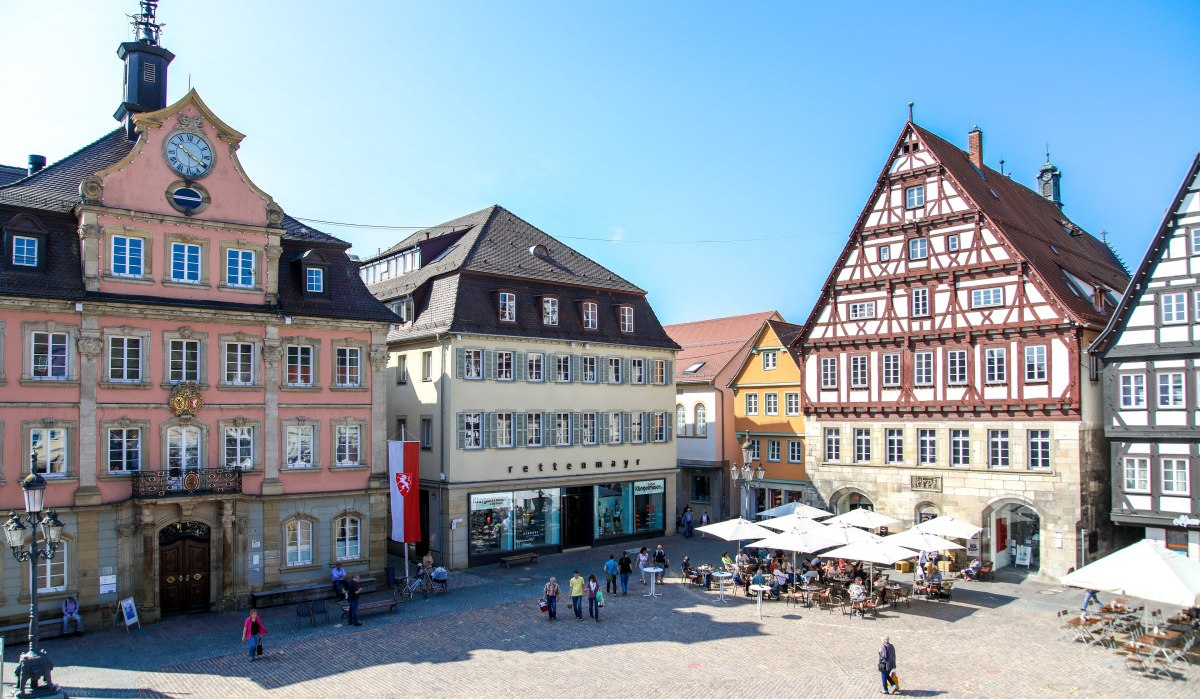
column 808, row 590
column 721, row 577
column 1083, row 628
column 1155, row 637
column 760, row 589
column 653, row 571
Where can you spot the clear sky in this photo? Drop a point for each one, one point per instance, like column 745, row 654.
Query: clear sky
column 762, row 126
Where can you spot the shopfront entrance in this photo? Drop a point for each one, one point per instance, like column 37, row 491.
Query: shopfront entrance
column 577, row 516
column 1016, row 537
column 183, row 568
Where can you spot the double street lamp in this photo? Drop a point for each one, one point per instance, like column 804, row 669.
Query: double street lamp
column 21, row 531
column 745, row 476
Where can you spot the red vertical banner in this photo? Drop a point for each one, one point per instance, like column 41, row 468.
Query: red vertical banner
column 404, row 475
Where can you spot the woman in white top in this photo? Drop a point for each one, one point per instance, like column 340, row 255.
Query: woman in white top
column 643, row 563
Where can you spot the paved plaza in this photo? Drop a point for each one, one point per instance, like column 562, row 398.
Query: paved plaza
column 487, row 639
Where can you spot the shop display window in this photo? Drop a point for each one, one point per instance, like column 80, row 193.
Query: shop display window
column 628, row 508
column 512, row 521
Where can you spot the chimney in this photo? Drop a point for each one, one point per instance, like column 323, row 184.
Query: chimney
column 36, row 163
column 976, row 147
column 145, row 88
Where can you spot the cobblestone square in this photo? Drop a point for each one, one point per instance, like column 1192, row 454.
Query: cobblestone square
column 487, row 638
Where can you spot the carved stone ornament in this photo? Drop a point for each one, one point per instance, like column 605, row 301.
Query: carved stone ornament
column 90, row 347
column 272, row 354
column 49, row 422
column 242, row 337
column 186, row 333
column 274, row 214
column 125, row 422
column 379, row 359
column 90, row 231
column 239, row 422
column 274, row 251
column 190, row 121
column 186, row 400
column 91, row 189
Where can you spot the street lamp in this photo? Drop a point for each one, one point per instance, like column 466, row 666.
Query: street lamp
column 34, row 666
column 746, row 475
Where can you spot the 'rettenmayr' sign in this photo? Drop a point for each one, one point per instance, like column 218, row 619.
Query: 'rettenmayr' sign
column 648, row 487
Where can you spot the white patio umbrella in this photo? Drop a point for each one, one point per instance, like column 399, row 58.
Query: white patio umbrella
column 881, row 551
column 795, row 508
column 797, row 541
column 787, row 523
column 846, row 534
column 863, row 517
column 948, row 526
column 1144, row 570
column 736, row 529
column 920, row 541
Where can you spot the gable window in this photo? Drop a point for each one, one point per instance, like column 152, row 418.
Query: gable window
column 314, row 280
column 1175, row 477
column 918, row 249
column 508, row 307
column 49, row 355
column 125, row 359
column 637, row 371
column 752, row 404
column 998, row 448
column 914, row 197
column 956, row 367
column 833, row 444
column 614, row 369
column 952, row 242
column 891, row 369
column 24, row 251
column 885, row 253
column 923, row 368
column 862, row 309
column 702, row 420
column 403, row 309
column 349, row 538
column 124, row 449
column 299, row 365
column 239, row 448
column 533, row 429
column 770, row 360
column 549, row 311
column 926, row 447
column 239, row 268
column 1170, row 389
column 1137, row 474
column 48, row 451
column 298, row 443
column 299, row 542
column 658, row 368
column 349, row 367
column 347, row 443
column 127, row 256
column 184, row 361
column 1133, row 390
column 862, row 445
column 591, row 315
column 920, row 302
column 1174, row 307
column 472, row 364
column 533, row 366
column 995, row 365
column 562, row 368
column 626, row 314
column 858, row 371
column 987, row 298
column 185, row 263
column 588, row 370
column 893, row 445
column 791, row 403
column 771, row 403
column 1196, row 241
column 960, row 447
column 239, row 363
column 1035, row 363
column 829, row 372
column 1039, row 450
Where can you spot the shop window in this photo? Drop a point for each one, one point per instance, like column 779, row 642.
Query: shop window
column 701, row 489
column 513, row 520
column 1177, row 540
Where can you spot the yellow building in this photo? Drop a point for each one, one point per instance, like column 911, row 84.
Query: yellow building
column 767, row 388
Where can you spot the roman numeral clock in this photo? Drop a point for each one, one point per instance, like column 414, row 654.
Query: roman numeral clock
column 190, row 156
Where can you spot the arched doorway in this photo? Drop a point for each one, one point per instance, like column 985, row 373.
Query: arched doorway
column 1016, row 533
column 183, row 568
column 925, row 512
column 851, row 500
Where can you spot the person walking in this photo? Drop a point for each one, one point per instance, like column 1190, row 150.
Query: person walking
column 625, row 569
column 252, row 633
column 661, row 562
column 593, row 588
column 704, row 522
column 552, row 591
column 577, row 595
column 887, row 666
column 1088, row 597
column 687, row 523
column 643, row 563
column 353, row 587
column 610, row 574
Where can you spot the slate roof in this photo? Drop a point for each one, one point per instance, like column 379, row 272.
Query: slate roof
column 56, row 186
column 10, row 174
column 467, row 261
column 1137, row 285
column 715, row 342
column 60, row 276
column 1032, row 224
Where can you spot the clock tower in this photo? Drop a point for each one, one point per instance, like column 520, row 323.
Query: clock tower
column 145, row 88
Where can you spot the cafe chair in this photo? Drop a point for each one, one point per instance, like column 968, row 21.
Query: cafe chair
column 319, row 609
column 304, row 611
column 902, row 595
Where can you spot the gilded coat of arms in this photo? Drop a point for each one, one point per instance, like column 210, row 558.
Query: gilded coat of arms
column 186, row 400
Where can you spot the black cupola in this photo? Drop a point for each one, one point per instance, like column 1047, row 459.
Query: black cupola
column 145, row 67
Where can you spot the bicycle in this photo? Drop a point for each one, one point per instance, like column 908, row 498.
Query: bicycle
column 408, row 587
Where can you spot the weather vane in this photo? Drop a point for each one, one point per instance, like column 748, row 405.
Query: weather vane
column 145, row 25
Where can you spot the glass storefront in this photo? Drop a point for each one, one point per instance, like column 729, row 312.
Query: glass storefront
column 514, row 520
column 631, row 507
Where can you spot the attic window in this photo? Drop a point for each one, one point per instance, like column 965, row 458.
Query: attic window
column 442, row 256
column 149, row 72
column 539, row 250
column 314, row 280
column 24, row 251
column 692, row 369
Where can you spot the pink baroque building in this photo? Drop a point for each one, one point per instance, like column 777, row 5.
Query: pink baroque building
column 198, row 376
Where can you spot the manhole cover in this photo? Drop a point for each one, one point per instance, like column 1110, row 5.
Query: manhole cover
column 1048, row 592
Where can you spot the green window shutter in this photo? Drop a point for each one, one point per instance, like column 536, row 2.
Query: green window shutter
column 462, row 427
column 460, row 363
column 519, row 366
column 602, row 369
column 626, row 434
column 601, row 428
column 520, row 433
column 670, row 372
column 624, row 377
column 576, row 429
column 489, row 364
column 489, row 430
column 670, row 424
column 647, row 425
column 575, row 367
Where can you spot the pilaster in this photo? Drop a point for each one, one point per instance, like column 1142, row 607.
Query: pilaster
column 272, row 353
column 271, row 548
column 90, row 345
column 87, row 555
column 229, row 552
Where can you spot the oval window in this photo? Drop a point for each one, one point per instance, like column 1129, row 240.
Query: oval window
column 187, row 199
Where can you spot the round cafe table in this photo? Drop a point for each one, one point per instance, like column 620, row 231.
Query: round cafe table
column 760, row 589
column 721, row 578
column 653, row 575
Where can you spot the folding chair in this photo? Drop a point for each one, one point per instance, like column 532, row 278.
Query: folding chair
column 319, row 608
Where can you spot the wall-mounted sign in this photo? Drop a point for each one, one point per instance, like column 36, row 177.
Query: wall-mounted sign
column 1185, row 521
column 928, row 484
column 491, row 501
column 648, row 487
column 108, row 583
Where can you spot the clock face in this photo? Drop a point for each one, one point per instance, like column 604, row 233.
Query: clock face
column 189, row 154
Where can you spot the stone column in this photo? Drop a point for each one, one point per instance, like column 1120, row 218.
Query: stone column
column 272, row 454
column 90, row 346
column 228, row 554
column 147, row 596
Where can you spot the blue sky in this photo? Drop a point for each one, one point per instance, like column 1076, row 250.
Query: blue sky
column 761, row 126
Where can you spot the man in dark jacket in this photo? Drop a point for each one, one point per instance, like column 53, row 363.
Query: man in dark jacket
column 352, row 588
column 887, row 665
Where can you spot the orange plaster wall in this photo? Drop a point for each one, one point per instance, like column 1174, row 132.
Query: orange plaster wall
column 785, row 378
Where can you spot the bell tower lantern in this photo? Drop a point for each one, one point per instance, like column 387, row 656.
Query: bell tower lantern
column 146, row 62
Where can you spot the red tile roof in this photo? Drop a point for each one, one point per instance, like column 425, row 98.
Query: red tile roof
column 714, row 342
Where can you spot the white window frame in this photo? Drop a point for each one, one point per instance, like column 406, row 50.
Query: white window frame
column 549, row 311
column 128, row 449
column 505, row 365
column 891, row 370
column 591, row 315
column 533, row 429
column 1136, row 472
column 771, row 404
column 237, row 446
column 637, row 371
column 1037, row 446
column 1035, row 364
column 347, row 367
column 952, row 242
column 829, row 372
column 473, row 364
column 960, row 448
column 508, row 307
column 914, row 197
column 1133, row 391
column 472, row 437
column 300, row 441
column 832, row 450
column 614, row 370
column 637, row 428
column 314, row 280
column 185, row 256
column 918, row 248
column 995, row 365
column 920, row 302
column 862, row 445
column 751, row 404
column 348, row 538
column 588, row 371
column 991, row 297
column 562, row 368
column 923, row 368
column 26, row 257
column 125, row 359
column 505, row 423
column 614, row 428
column 791, row 403
column 658, row 427
column 774, row 451
column 999, row 449
column 535, row 363
column 926, row 447
column 893, row 445
column 242, row 365
column 587, row 428
column 956, row 367
column 859, row 371
column 52, row 574
column 562, row 429
column 1176, row 473
column 1173, row 307
column 347, row 445
column 861, row 310
column 885, row 253
column 770, row 360
column 132, row 263
column 303, row 359
column 178, row 369
column 298, row 543
column 57, row 346
column 44, row 441
column 236, row 272
column 681, row 417
column 626, row 316
column 1171, row 387
column 795, row 451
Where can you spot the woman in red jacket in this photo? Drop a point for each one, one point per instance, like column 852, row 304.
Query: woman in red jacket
column 252, row 632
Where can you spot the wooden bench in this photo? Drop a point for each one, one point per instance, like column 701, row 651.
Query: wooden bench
column 508, row 561
column 299, row 594
column 18, row 634
column 389, row 601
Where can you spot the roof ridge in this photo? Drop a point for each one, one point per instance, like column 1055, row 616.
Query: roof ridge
column 723, row 318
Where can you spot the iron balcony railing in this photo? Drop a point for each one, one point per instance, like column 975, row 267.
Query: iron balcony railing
column 162, row 484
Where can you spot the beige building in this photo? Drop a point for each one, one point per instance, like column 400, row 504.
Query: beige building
column 539, row 384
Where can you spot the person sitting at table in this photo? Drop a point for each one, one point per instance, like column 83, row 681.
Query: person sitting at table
column 757, row 579
column 779, row 581
column 935, row 576
column 689, row 573
column 811, row 577
column 742, row 559
column 972, row 571
column 858, row 595
column 727, row 561
column 930, row 569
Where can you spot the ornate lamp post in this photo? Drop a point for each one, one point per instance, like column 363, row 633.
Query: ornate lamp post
column 21, row 531
column 745, row 476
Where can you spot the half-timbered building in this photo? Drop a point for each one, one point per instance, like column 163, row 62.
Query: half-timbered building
column 1149, row 359
column 945, row 359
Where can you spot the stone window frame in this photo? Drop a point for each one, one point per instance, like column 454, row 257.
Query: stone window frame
column 122, row 423
column 260, row 254
column 186, row 333
column 256, row 361
column 164, row 446
column 169, row 239
column 300, row 421
column 108, row 334
column 314, row 523
column 28, row 328
column 69, row 553
column 364, row 366
column 362, row 537
column 71, row 428
column 147, row 238
column 256, row 441
column 363, row 442
column 300, row 341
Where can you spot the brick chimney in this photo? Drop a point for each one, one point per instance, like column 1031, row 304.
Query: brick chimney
column 976, row 147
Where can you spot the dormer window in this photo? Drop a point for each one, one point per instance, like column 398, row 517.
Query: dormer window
column 314, row 280
column 404, row 309
column 508, row 307
column 626, row 315
column 314, row 268
column 25, row 251
column 591, row 315
column 549, row 311
column 25, row 244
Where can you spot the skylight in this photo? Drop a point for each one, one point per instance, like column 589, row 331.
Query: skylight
column 693, row 368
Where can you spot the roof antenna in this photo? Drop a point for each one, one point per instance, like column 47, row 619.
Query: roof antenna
column 1001, row 165
column 910, row 112
column 189, row 82
column 1047, row 152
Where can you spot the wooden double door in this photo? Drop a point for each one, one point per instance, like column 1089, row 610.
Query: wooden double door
column 183, row 582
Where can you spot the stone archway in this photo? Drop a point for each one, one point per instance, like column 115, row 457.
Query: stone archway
column 184, row 578
column 1014, row 534
column 846, row 499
